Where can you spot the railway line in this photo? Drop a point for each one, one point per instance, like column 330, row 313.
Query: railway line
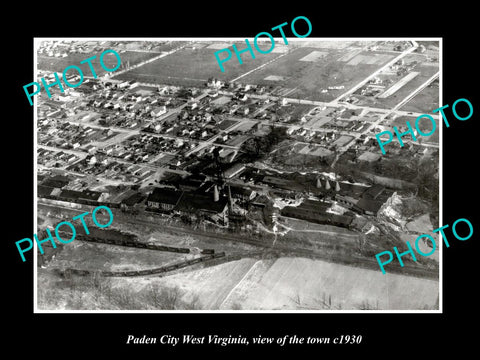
column 280, row 249
column 160, row 270
column 283, row 250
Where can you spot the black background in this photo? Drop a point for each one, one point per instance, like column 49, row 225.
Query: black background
column 409, row 334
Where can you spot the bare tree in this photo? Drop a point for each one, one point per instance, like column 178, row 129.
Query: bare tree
column 236, row 306
column 193, row 304
column 366, row 305
column 318, row 303
column 164, row 298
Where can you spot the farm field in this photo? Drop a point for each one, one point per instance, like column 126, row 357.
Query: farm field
column 425, row 101
column 156, row 46
column 425, row 71
column 424, row 125
column 310, row 70
column 59, row 64
column 348, row 287
column 292, row 283
column 193, row 67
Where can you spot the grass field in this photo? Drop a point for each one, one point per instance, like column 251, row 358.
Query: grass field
column 425, row 73
column 59, row 64
column 425, row 101
column 309, row 78
column 296, row 284
column 423, row 104
column 287, row 283
column 192, row 67
column 296, row 111
column 112, row 257
column 424, row 125
column 157, row 46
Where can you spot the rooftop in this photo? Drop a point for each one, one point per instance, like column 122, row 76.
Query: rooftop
column 196, row 201
column 165, row 196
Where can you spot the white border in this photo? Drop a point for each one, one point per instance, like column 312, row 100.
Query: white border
column 37, row 41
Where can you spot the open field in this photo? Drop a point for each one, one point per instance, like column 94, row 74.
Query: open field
column 398, row 85
column 311, row 149
column 421, row 225
column 348, row 287
column 424, row 245
column 193, row 67
column 425, row 72
column 164, row 45
column 294, row 284
column 306, row 232
column 425, row 101
column 59, row 64
column 94, row 256
column 425, row 125
column 318, row 122
column 319, row 72
column 330, row 44
column 296, row 111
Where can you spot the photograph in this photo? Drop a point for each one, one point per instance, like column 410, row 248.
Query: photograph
column 259, row 188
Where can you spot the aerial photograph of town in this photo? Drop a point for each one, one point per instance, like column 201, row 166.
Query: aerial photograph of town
column 258, row 188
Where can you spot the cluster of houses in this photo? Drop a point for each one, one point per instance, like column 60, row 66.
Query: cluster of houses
column 145, row 147
column 55, row 159
column 65, row 135
column 54, row 48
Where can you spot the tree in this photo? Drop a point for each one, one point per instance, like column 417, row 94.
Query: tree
column 257, row 147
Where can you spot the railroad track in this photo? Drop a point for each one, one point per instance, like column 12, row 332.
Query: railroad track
column 285, row 250
column 135, row 244
column 160, row 270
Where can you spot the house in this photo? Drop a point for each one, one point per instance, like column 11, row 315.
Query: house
column 158, row 111
column 123, row 85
